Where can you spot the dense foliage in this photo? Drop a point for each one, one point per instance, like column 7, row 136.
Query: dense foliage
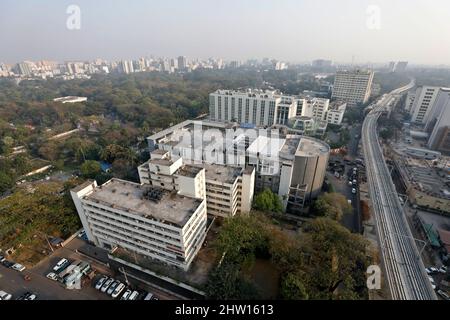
column 324, row 261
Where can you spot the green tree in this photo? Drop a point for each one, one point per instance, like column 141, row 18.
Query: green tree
column 90, row 168
column 292, row 288
column 267, row 201
column 6, row 181
column 331, row 205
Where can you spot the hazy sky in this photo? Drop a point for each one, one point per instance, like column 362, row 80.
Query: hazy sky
column 291, row 30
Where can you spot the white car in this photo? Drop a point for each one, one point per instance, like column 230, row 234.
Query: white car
column 353, row 190
column 52, row 276
column 120, row 287
column 60, row 264
column 5, row 295
column 434, row 270
column 100, row 282
column 134, row 295
column 433, row 285
column 18, row 267
column 443, row 269
column 126, row 295
column 106, row 285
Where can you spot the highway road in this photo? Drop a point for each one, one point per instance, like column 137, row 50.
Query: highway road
column 403, row 265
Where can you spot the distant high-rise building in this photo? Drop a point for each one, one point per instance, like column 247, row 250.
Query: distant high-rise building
column 126, row 66
column 182, row 63
column 321, row 63
column 24, row 68
column 353, row 86
column 257, row 107
column 391, row 66
column 401, row 66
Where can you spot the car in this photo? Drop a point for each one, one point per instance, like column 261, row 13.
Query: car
column 60, row 264
column 443, row 294
column 52, row 276
column 353, row 190
column 148, row 296
column 126, row 295
column 134, row 295
column 112, row 287
column 82, row 234
column 433, row 285
column 428, row 271
column 18, row 267
column 2, row 258
column 106, row 285
column 100, row 282
column 118, row 290
column 349, row 201
column 154, row 298
column 350, row 183
column 5, row 295
column 434, row 270
column 26, row 296
column 31, row 297
column 443, row 269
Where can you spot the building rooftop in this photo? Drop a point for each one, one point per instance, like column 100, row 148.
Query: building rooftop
column 310, row 147
column 221, row 173
column 188, row 171
column 131, row 197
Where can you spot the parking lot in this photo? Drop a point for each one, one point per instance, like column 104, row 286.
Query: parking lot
column 14, row 282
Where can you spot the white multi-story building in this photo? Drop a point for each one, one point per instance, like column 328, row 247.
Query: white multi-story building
column 262, row 149
column 409, row 103
column 228, row 190
column 257, row 107
column 336, row 112
column 423, row 103
column 149, row 221
column 353, row 87
column 439, row 122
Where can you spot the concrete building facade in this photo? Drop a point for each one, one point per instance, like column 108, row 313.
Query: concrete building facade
column 353, row 86
column 152, row 222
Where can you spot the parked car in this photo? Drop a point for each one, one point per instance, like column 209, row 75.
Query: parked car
column 106, row 285
column 27, row 296
column 428, row 271
column 134, row 295
column 2, row 258
column 148, row 296
column 82, row 234
column 443, row 295
column 434, row 270
column 8, row 263
column 433, row 284
column 100, row 282
column 354, row 190
column 61, row 263
column 5, row 295
column 18, row 267
column 350, row 183
column 126, row 295
column 443, row 269
column 112, row 287
column 118, row 290
column 31, row 297
column 52, row 276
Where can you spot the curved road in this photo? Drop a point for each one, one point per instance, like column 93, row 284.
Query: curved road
column 404, row 269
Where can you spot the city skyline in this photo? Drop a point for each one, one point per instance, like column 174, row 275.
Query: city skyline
column 346, row 31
